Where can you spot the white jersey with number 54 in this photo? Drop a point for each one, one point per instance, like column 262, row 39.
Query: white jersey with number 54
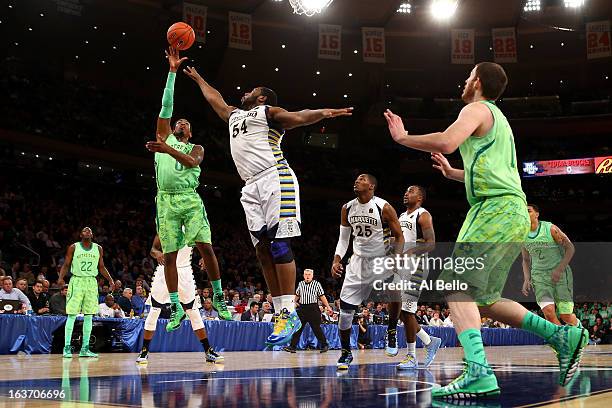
column 255, row 141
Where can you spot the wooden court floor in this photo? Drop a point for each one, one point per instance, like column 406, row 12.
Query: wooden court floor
column 527, row 375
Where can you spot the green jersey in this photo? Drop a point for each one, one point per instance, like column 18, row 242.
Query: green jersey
column 172, row 175
column 544, row 251
column 490, row 162
column 85, row 261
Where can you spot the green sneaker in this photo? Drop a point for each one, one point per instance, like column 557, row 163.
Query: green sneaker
column 177, row 315
column 67, row 352
column 85, row 352
column 476, row 381
column 221, row 307
column 568, row 343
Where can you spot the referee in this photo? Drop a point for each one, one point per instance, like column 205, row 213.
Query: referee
column 307, row 295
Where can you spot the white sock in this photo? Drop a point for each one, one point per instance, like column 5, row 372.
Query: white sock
column 287, row 302
column 412, row 349
column 422, row 334
column 276, row 302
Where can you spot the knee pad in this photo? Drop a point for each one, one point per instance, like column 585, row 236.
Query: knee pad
column 345, row 321
column 151, row 322
column 195, row 318
column 281, row 251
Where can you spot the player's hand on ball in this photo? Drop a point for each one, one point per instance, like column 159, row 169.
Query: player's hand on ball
column 396, row 126
column 441, row 163
column 192, row 73
column 526, row 287
column 334, row 113
column 157, row 147
column 174, row 59
column 336, row 270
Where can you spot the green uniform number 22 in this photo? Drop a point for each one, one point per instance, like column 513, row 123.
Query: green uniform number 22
column 86, row 266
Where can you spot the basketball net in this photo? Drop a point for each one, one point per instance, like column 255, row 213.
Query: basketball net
column 309, row 7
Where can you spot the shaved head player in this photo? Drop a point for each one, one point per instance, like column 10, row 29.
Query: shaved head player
column 271, row 195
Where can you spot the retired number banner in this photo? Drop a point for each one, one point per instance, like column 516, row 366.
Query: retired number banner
column 462, row 46
column 598, row 39
column 504, row 44
column 330, row 41
column 240, row 33
column 373, row 44
column 195, row 16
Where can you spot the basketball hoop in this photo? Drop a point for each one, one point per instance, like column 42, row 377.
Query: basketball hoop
column 309, row 7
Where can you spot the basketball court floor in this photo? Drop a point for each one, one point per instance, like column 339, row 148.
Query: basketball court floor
column 527, row 375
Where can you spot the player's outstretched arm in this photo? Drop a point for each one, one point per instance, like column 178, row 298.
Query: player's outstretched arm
column 343, row 243
column 163, row 121
column 562, row 240
column 442, row 164
column 291, row 120
column 66, row 265
column 470, row 119
column 212, row 96
column 103, row 271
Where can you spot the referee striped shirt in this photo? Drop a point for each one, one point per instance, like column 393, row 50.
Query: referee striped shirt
column 309, row 293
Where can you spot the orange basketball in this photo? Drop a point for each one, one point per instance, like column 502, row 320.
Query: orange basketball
column 180, row 36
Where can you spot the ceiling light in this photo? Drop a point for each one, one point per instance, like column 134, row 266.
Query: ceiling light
column 443, row 9
column 573, row 3
column 532, row 5
column 405, row 8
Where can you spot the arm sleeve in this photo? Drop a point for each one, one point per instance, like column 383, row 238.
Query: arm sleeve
column 320, row 291
column 343, row 241
column 168, row 98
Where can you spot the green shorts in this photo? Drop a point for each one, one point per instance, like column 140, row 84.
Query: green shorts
column 176, row 211
column 82, row 296
column 492, row 236
column 547, row 292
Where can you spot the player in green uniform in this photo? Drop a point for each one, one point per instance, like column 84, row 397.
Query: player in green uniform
column 496, row 226
column 85, row 260
column 546, row 257
column 177, row 168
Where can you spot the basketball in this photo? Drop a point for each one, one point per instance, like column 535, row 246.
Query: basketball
column 180, row 36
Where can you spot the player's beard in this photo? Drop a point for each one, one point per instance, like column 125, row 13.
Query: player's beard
column 468, row 94
column 247, row 103
column 179, row 134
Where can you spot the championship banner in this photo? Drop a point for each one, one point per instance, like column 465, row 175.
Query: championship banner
column 598, row 39
column 373, row 44
column 330, row 41
column 603, row 165
column 558, row 167
column 504, row 44
column 240, row 33
column 462, row 46
column 195, row 16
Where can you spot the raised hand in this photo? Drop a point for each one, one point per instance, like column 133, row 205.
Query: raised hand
column 441, row 163
column 396, row 126
column 174, row 59
column 192, row 73
column 334, row 113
